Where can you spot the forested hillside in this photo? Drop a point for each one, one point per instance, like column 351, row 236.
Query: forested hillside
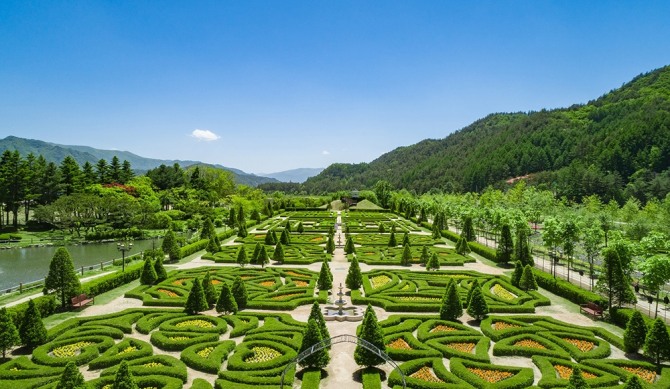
column 616, row 146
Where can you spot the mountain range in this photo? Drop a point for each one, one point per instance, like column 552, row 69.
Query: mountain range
column 615, row 146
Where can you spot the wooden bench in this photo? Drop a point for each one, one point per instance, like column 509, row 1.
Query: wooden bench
column 592, row 309
column 81, row 300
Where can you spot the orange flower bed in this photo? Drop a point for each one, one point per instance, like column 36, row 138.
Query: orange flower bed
column 216, row 282
column 169, row 293
column 294, row 274
column 301, row 284
column 246, row 277
column 582, row 345
column 529, row 343
column 268, row 284
column 317, row 239
column 462, row 347
column 286, row 296
column 442, row 328
column 565, row 372
column 425, row 374
column 501, row 325
column 179, row 282
column 644, row 374
column 400, row 344
column 491, row 376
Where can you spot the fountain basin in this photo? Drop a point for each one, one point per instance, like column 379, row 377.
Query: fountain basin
column 348, row 314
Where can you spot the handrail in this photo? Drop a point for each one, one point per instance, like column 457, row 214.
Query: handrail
column 342, row 339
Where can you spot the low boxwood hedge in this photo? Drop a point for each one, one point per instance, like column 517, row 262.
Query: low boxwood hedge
column 371, row 379
column 311, row 378
column 112, row 332
column 417, row 349
column 151, row 321
column 127, row 349
column 481, row 349
column 200, row 383
column 178, row 341
column 99, row 344
column 161, row 365
column 522, row 378
column 207, row 357
column 148, row 381
column 211, row 324
column 509, row 347
column 550, row 378
column 450, row 381
column 22, row 368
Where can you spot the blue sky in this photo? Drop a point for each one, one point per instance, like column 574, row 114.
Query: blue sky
column 276, row 85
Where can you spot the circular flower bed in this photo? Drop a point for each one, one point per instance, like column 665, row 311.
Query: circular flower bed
column 491, row 376
column 69, row 350
column 195, row 323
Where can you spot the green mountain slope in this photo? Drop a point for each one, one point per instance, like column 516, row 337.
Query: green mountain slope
column 615, row 146
column 55, row 153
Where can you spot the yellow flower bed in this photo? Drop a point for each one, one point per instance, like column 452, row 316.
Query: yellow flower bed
column 216, row 282
column 179, row 282
column 418, row 298
column 406, row 287
column 294, row 274
column 301, row 284
column 491, row 376
column 128, row 349
column 153, row 364
column 503, row 293
column 425, row 374
column 263, row 354
column 179, row 338
column 442, row 328
column 400, row 344
column 379, row 281
column 462, row 347
column 286, row 296
column 644, row 374
column 69, row 350
column 582, row 345
column 195, row 323
column 268, row 284
column 501, row 325
column 108, row 386
column 14, row 369
column 169, row 293
column 317, row 239
column 205, row 352
column 529, row 343
column 565, row 372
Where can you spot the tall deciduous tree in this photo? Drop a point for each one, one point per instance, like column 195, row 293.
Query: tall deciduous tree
column 354, row 278
column 32, row 330
column 239, row 291
column 635, row 334
column 9, row 335
column 612, row 281
column 655, row 274
column 505, row 245
column 591, row 241
column 196, row 301
column 312, row 336
column 521, row 249
column 570, row 236
column 62, row 278
column 71, row 378
column 226, row 302
column 373, row 333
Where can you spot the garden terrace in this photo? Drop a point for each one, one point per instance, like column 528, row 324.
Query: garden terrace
column 294, row 254
column 378, row 239
column 382, row 255
column 411, row 291
column 269, row 288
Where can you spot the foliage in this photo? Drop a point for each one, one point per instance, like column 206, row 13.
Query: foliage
column 477, row 306
column 373, row 333
column 406, row 256
column 354, row 278
column 657, row 343
column 196, row 302
column 633, row 382
column 518, row 273
column 451, row 308
column 577, row 381
column 240, row 293
column 468, row 229
column 71, row 378
column 170, row 246
column 312, row 336
column 278, row 254
column 521, row 249
column 349, row 246
column 124, row 379
column 505, row 245
column 325, row 281
column 62, row 278
column 32, row 331
column 635, row 334
column 392, row 240
column 433, row 262
column 316, row 315
column 226, row 302
column 9, row 335
column 527, row 281
column 242, row 256
column 462, row 246
column 330, row 245
column 149, row 276
column 263, row 258
column 612, row 282
column 161, row 274
column 208, row 288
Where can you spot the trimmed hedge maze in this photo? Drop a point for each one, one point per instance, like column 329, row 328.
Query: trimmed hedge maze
column 488, row 358
column 383, row 255
column 244, row 350
column 268, row 288
column 294, row 254
column 410, row 291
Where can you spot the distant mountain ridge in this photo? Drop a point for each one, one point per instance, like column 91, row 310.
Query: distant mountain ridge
column 615, row 146
column 299, row 175
column 53, row 152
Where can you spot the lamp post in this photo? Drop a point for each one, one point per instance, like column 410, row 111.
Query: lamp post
column 123, row 247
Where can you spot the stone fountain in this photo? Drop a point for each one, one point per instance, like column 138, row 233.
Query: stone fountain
column 340, row 312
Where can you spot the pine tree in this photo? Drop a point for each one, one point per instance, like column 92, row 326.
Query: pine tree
column 577, row 381
column 263, row 258
column 381, row 229
column 612, row 282
column 285, row 237
column 256, row 216
column 354, row 278
column 505, row 245
column 161, row 274
column 478, row 308
column 451, row 308
column 527, row 281
column 633, row 382
column 62, row 278
column 274, row 237
column 462, row 246
column 9, row 335
column 316, row 315
column 657, row 343
column 330, row 245
column 287, row 225
column 239, row 291
column 405, row 240
column 635, row 334
column 468, row 231
column 207, row 229
column 170, row 246
column 124, row 379
column 473, row 286
column 148, row 276
column 226, row 302
column 242, row 256
column 213, row 245
column 300, row 228
column 521, row 249
column 406, row 256
column 518, row 273
column 208, row 288
column 392, row 241
column 270, row 238
column 312, row 336
column 425, row 256
column 437, row 234
column 32, row 330
column 196, row 302
column 350, row 247
column 278, row 254
column 71, row 378
column 242, row 230
column 256, row 253
column 325, row 280
column 373, row 333
column 433, row 263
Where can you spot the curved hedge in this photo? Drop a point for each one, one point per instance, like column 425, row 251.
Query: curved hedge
column 522, row 378
column 178, row 341
column 216, row 353
column 41, row 354
column 127, row 349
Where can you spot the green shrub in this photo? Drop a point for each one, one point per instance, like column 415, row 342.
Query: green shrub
column 210, row 363
column 189, row 324
column 151, row 321
column 156, row 381
column 311, row 378
column 87, row 353
column 550, row 379
column 371, row 379
column 127, row 349
column 522, row 378
column 567, row 290
column 155, row 365
column 178, row 341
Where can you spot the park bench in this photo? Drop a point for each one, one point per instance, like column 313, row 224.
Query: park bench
column 81, row 300
column 592, row 309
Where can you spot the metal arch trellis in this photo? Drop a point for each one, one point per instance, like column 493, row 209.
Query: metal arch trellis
column 342, row 339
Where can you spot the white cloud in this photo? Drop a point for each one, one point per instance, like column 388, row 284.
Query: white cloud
column 205, row 135
column 325, row 152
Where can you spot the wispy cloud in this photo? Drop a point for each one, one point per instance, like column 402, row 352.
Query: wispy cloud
column 325, row 152
column 205, row 135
